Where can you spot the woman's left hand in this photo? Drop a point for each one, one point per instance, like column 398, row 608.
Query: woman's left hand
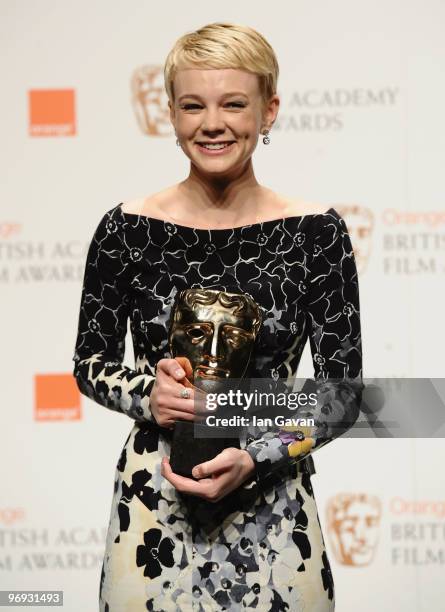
column 218, row 477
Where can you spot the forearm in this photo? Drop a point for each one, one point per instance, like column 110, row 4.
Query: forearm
column 115, row 386
column 336, row 410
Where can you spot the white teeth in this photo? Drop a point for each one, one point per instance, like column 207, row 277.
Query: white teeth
column 216, row 146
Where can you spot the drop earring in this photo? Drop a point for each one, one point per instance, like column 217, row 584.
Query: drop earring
column 178, row 144
column 266, row 139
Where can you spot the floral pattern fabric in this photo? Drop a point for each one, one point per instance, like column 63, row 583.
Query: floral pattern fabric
column 260, row 547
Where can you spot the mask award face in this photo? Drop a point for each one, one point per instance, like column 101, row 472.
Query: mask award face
column 216, row 331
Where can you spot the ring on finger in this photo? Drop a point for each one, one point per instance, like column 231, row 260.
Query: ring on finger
column 185, row 393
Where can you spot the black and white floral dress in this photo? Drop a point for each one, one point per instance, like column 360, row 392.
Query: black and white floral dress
column 260, row 547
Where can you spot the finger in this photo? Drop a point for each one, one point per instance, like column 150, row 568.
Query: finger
column 173, row 413
column 200, row 400
column 167, row 421
column 193, row 404
column 200, row 418
column 220, row 463
column 171, row 418
column 182, row 483
column 183, row 416
column 185, row 406
column 194, row 393
column 187, row 416
column 198, row 395
column 185, row 364
column 171, row 390
column 170, row 367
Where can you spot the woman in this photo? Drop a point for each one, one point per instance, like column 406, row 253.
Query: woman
column 245, row 533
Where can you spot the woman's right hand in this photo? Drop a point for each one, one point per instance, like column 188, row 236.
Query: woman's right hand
column 166, row 403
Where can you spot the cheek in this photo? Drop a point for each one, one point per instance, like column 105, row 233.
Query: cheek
column 187, row 125
column 240, row 355
column 247, row 128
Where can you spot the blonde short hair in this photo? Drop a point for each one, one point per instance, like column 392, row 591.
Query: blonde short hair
column 224, row 45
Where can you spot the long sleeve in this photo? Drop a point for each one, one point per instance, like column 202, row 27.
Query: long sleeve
column 333, row 324
column 104, row 311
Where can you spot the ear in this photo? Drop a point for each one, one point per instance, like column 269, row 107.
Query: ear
column 270, row 112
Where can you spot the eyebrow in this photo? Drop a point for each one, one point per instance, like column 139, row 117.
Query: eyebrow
column 226, row 95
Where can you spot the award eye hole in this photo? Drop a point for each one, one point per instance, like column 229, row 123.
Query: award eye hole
column 235, row 341
column 235, row 338
column 196, row 334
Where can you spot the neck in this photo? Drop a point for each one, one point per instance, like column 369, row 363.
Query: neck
column 216, row 196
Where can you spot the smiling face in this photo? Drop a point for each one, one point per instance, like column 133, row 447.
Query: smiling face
column 216, row 332
column 219, row 106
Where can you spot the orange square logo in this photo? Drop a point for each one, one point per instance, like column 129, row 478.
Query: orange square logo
column 52, row 112
column 57, row 398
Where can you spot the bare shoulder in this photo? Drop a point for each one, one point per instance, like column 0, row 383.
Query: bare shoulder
column 315, row 208
column 147, row 205
column 133, row 206
column 291, row 206
column 303, row 207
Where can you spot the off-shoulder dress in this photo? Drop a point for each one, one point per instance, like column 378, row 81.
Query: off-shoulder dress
column 261, row 547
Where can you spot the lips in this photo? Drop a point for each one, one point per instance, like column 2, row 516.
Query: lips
column 215, row 151
column 216, row 142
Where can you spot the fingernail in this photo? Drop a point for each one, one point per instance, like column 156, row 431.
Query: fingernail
column 195, row 472
column 180, row 373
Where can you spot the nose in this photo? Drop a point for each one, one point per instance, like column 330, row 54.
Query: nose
column 215, row 352
column 212, row 122
column 360, row 532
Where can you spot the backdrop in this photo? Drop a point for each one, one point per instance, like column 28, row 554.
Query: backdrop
column 84, row 126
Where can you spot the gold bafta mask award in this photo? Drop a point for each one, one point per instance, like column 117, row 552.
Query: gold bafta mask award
column 212, row 335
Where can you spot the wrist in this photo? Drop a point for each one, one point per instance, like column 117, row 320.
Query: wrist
column 248, row 462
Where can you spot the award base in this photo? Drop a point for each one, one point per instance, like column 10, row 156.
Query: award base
column 187, row 450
